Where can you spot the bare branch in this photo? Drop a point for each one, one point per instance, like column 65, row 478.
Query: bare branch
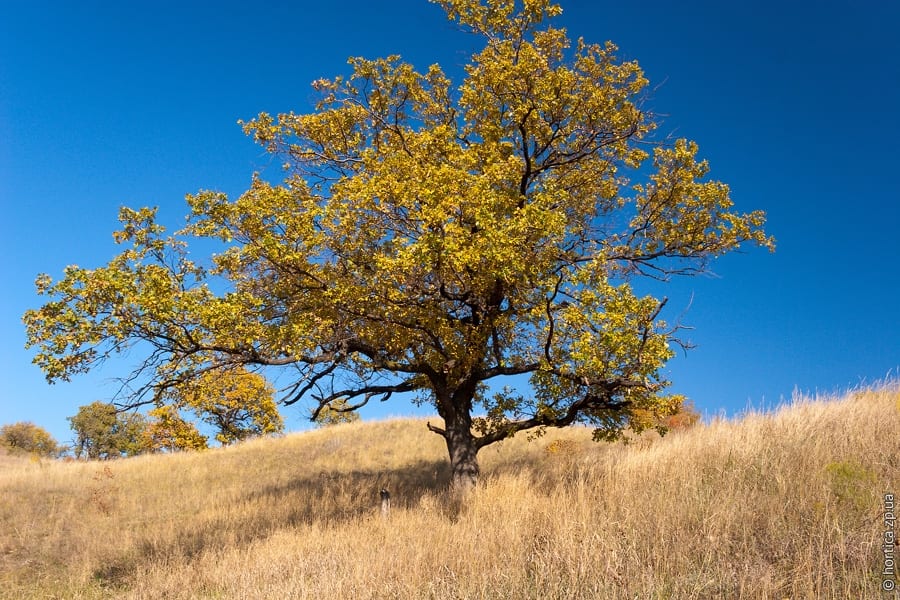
column 437, row 430
column 367, row 392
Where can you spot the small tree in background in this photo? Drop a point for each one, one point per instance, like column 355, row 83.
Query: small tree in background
column 168, row 431
column 102, row 432
column 239, row 404
column 337, row 412
column 27, row 438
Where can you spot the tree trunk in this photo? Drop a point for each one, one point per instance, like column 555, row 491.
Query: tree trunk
column 455, row 407
column 463, row 456
column 461, row 444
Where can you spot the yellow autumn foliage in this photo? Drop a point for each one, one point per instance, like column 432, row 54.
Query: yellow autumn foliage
column 430, row 236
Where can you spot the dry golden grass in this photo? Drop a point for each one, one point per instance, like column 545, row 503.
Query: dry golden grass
column 770, row 506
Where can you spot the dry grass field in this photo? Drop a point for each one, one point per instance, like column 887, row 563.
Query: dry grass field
column 783, row 505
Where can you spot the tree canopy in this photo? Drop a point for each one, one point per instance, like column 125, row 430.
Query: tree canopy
column 431, row 237
column 27, row 438
column 237, row 403
column 102, row 432
column 168, row 431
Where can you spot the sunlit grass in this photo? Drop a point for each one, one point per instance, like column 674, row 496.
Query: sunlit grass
column 782, row 505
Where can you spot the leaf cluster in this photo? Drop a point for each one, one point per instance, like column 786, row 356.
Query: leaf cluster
column 238, row 404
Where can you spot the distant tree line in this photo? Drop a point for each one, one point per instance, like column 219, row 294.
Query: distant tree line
column 238, row 409
column 237, row 406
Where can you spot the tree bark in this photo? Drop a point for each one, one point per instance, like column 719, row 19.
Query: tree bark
column 463, row 456
column 462, row 446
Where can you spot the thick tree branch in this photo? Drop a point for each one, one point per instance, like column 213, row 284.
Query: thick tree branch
column 591, row 401
column 367, row 392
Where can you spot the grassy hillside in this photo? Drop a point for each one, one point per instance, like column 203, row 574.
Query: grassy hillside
column 771, row 506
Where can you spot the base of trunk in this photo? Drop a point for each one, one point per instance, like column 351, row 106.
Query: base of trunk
column 463, row 460
column 464, row 479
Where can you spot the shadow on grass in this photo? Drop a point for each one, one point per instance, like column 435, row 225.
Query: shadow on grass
column 337, row 496
column 325, row 498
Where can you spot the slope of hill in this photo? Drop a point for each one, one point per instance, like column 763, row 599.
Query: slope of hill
column 768, row 506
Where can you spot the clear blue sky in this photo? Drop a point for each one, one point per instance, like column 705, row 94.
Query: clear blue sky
column 795, row 104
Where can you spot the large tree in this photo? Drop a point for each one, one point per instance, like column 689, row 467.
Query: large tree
column 429, row 237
